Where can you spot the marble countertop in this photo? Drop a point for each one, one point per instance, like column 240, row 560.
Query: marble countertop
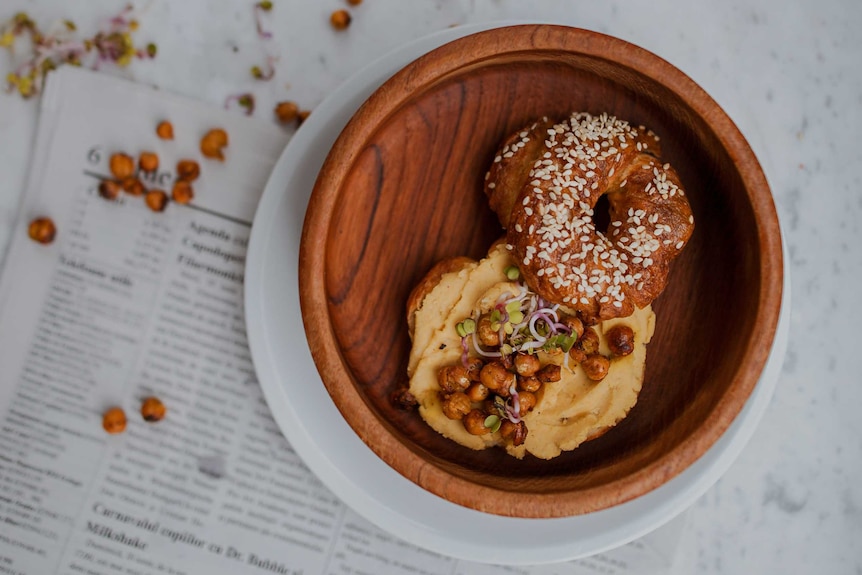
column 788, row 73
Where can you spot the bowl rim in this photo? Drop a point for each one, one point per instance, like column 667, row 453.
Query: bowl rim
column 337, row 378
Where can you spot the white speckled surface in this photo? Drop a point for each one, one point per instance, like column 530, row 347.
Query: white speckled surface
column 788, row 73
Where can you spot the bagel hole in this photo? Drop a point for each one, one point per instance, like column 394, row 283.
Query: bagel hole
column 602, row 213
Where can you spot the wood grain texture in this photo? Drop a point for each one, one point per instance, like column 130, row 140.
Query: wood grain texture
column 401, row 190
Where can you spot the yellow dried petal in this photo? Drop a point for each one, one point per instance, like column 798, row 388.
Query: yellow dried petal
column 7, row 39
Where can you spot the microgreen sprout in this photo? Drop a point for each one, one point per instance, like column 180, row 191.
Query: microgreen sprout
column 493, row 422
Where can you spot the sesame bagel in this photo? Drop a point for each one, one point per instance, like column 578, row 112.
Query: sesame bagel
column 544, row 185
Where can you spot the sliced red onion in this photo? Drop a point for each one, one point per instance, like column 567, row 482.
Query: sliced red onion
column 481, row 351
column 464, row 353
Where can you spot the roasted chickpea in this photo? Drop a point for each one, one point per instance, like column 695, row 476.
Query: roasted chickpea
column 596, row 366
column 526, row 402
column 133, row 186
column 42, row 230
column 152, row 409
column 182, row 192
column 286, row 112
column 403, row 398
column 122, row 165
column 156, row 200
column 487, row 336
column 474, row 422
column 497, row 378
column 114, row 420
column 148, row 161
column 303, row 116
column 477, row 392
column 515, row 432
column 188, row 170
column 213, row 144
column 456, row 405
column 589, row 341
column 573, row 323
column 165, row 130
column 474, row 368
column 531, row 384
column 621, row 340
column 453, row 378
column 109, row 189
column 340, row 19
column 549, row 373
column 526, row 364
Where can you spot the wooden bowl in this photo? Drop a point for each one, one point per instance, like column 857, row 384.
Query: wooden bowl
column 402, row 189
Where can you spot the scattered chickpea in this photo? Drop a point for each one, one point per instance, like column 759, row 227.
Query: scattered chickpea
column 109, row 189
column 340, row 19
column 182, row 192
column 526, row 364
column 516, row 432
column 487, row 336
column 156, row 200
column 42, row 230
column 114, row 420
column 121, row 165
column 549, row 374
column 531, row 384
column 354, row 2
column 303, row 116
column 188, row 170
column 474, row 368
column 496, row 378
column 165, row 130
column 213, row 144
column 403, row 398
column 474, row 422
column 133, row 186
column 286, row 112
column 526, row 401
column 596, row 366
column 148, row 161
column 152, row 409
column 456, row 405
column 477, row 392
column 621, row 340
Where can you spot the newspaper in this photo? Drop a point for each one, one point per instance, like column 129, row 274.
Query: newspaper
column 128, row 303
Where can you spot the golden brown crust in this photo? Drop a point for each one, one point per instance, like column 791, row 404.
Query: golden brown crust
column 508, row 175
column 600, row 274
column 427, row 283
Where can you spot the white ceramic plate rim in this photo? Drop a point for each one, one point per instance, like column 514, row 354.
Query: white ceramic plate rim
column 316, row 430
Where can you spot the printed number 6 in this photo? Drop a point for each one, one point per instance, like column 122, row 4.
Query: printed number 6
column 94, row 156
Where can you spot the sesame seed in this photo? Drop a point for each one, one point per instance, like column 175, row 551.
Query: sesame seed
column 492, row 185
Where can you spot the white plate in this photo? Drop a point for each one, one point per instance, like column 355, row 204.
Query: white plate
column 316, row 430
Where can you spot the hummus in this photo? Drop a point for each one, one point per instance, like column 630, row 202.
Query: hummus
column 567, row 413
